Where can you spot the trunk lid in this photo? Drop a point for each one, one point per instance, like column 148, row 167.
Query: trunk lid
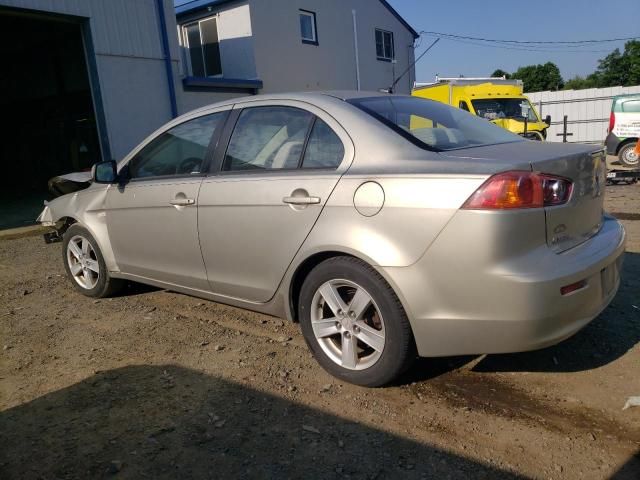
column 580, row 218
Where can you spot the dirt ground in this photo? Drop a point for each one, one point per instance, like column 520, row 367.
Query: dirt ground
column 153, row 384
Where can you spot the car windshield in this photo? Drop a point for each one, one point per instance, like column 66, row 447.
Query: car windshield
column 497, row 108
column 433, row 125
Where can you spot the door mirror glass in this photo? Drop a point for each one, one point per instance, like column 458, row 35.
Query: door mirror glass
column 547, row 120
column 105, row 172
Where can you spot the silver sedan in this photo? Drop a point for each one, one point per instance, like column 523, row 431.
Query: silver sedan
column 389, row 227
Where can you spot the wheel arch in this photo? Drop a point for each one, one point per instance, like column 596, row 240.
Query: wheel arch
column 63, row 224
column 98, row 230
column 303, row 269
column 625, row 142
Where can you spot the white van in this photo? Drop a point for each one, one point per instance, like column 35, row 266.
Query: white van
column 624, row 129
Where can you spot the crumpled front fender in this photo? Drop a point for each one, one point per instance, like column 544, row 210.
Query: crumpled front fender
column 46, row 217
column 86, row 207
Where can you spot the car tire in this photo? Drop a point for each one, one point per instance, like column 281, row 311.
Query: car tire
column 85, row 266
column 369, row 341
column 627, row 155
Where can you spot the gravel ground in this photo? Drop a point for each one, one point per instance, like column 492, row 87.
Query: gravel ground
column 153, row 384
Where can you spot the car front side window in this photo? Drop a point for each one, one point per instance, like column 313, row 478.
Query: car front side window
column 181, row 150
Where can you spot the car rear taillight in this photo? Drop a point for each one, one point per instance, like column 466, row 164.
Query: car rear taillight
column 612, row 121
column 520, row 189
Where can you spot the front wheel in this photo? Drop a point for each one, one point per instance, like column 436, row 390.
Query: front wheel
column 537, row 136
column 85, row 264
column 354, row 323
column 628, row 155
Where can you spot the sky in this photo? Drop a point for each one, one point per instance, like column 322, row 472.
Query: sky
column 532, row 21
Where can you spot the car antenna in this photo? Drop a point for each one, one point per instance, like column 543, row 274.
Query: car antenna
column 393, row 85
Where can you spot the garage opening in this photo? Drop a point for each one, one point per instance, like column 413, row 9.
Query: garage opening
column 48, row 124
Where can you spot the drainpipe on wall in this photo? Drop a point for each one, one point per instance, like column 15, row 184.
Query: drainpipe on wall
column 355, row 45
column 166, row 52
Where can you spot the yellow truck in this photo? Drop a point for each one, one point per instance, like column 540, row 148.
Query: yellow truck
column 498, row 100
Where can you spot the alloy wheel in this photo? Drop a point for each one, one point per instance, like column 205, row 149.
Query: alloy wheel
column 630, row 156
column 83, row 262
column 347, row 324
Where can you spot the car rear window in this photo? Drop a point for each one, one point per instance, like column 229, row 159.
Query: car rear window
column 433, row 125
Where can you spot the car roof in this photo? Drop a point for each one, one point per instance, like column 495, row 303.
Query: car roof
column 319, row 96
column 626, row 96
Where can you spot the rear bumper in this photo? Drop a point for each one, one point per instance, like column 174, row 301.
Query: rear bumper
column 471, row 305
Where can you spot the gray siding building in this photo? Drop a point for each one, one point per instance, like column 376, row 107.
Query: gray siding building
column 285, row 45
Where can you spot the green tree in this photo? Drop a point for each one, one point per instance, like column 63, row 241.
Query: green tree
column 611, row 70
column 632, row 53
column 616, row 69
column 500, row 73
column 537, row 78
column 620, row 68
column 579, row 83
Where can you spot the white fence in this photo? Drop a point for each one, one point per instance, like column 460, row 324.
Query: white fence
column 587, row 112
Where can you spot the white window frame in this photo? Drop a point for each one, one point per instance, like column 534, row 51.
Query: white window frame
column 185, row 43
column 393, row 46
column 312, row 16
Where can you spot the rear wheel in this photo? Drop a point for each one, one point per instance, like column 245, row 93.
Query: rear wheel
column 628, row 156
column 85, row 265
column 354, row 324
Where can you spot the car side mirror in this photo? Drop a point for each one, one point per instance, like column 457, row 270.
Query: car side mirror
column 547, row 120
column 105, row 172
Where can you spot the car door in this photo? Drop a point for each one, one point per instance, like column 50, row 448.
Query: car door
column 280, row 166
column 152, row 214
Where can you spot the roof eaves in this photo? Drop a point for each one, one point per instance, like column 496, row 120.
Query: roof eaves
column 200, row 4
column 400, row 19
column 194, row 5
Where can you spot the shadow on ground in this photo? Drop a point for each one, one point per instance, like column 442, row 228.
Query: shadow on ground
column 629, row 470
column 133, row 289
column 171, row 422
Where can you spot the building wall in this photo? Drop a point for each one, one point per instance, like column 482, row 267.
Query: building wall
column 128, row 52
column 259, row 39
column 284, row 63
column 587, row 111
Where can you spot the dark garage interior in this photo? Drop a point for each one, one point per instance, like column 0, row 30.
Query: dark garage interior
column 48, row 125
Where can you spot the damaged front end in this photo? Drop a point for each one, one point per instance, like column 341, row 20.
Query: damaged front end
column 58, row 187
column 57, row 228
column 69, row 183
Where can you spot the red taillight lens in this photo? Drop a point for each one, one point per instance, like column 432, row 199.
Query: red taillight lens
column 612, row 121
column 520, row 189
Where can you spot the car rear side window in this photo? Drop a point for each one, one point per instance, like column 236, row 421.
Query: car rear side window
column 268, row 138
column 631, row 106
column 433, row 125
column 324, row 148
column 179, row 151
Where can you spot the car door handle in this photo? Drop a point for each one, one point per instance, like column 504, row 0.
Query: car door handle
column 182, row 202
column 301, row 200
